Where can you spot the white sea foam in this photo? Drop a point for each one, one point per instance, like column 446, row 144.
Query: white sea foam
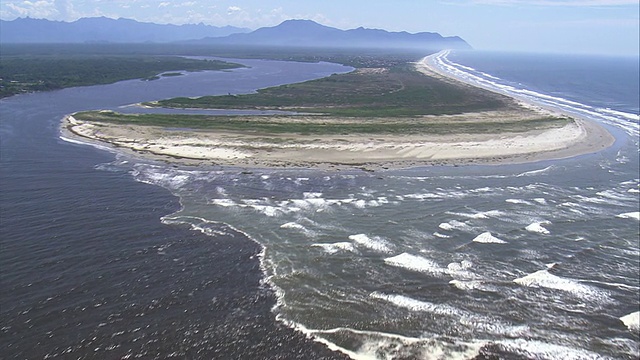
column 379, row 345
column 541, row 350
column 373, row 243
column 582, row 208
column 423, row 196
column 541, row 201
column 464, row 264
column 631, row 182
column 333, row 248
column 602, row 200
column 169, row 180
column 487, row 238
column 493, row 326
column 632, row 321
column 454, row 225
column 537, row 227
column 543, row 278
column 479, row 215
column 630, row 215
column 518, row 201
column 460, row 271
column 293, row 225
column 536, row 172
column 268, row 210
column 223, row 202
column 471, row 321
column 446, row 226
column 415, row 263
column 473, row 285
column 442, row 236
column 489, row 76
column 417, row 305
column 610, row 194
column 97, row 146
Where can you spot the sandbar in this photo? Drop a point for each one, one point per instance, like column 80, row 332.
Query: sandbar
column 342, row 151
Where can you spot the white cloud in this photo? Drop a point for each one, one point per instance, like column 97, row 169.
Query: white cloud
column 186, row 4
column 65, row 8
column 164, row 4
column 234, row 9
column 37, row 9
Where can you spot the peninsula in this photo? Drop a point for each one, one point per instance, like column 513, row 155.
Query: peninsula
column 373, row 118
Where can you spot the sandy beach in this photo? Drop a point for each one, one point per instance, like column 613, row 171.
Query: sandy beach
column 371, row 152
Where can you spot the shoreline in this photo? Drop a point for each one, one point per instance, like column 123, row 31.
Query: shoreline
column 354, row 151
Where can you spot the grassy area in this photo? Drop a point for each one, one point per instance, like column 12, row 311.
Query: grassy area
column 398, row 91
column 316, row 125
column 356, row 57
column 384, row 95
column 376, row 100
column 42, row 67
column 28, row 73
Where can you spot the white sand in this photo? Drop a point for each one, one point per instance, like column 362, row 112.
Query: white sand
column 374, row 151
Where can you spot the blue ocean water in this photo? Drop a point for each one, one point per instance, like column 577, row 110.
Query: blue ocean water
column 537, row 260
column 602, row 88
column 599, row 81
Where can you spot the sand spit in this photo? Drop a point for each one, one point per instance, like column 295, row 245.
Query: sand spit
column 379, row 151
column 370, row 151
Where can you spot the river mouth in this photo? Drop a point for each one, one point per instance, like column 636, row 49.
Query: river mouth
column 89, row 270
column 520, row 260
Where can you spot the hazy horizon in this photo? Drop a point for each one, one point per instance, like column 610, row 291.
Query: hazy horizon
column 542, row 26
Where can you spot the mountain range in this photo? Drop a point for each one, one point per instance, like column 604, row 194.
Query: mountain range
column 296, row 33
column 103, row 29
column 311, row 34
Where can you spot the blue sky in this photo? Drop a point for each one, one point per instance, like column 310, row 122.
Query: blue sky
column 565, row 26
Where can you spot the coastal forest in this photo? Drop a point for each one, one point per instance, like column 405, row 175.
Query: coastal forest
column 32, row 67
column 27, row 71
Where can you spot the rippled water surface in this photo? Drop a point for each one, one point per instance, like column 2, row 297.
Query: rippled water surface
column 524, row 261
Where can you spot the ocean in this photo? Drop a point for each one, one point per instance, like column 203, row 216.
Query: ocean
column 109, row 256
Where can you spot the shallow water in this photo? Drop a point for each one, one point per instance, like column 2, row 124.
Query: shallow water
column 524, row 261
column 538, row 260
column 88, row 269
column 361, row 258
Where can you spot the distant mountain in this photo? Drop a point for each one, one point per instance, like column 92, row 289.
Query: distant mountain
column 102, row 29
column 309, row 33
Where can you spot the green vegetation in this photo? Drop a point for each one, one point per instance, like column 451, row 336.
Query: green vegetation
column 27, row 73
column 315, row 125
column 399, row 91
column 42, row 67
column 356, row 57
column 384, row 95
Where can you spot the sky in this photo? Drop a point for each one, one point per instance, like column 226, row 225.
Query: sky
column 546, row 26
